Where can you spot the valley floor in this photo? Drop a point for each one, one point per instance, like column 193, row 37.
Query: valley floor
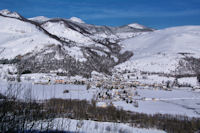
column 182, row 101
column 147, row 94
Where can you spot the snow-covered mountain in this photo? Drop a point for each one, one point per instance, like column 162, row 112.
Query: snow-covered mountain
column 19, row 37
column 162, row 51
column 43, row 44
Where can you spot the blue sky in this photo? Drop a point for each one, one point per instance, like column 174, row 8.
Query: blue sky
column 153, row 13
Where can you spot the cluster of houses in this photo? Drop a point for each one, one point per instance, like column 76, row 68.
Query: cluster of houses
column 49, row 79
column 109, row 88
column 117, row 82
column 98, row 81
column 117, row 95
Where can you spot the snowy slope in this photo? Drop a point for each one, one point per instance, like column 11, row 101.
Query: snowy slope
column 160, row 51
column 157, row 51
column 88, row 126
column 18, row 38
column 42, row 39
column 171, row 40
column 61, row 30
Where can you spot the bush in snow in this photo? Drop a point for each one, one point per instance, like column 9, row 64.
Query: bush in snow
column 66, row 91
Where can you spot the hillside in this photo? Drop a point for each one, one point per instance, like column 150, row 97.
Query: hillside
column 162, row 50
column 42, row 43
column 49, row 44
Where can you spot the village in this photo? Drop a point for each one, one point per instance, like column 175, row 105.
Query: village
column 130, row 91
column 108, row 88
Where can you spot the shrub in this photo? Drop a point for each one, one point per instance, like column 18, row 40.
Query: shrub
column 26, row 72
column 66, row 91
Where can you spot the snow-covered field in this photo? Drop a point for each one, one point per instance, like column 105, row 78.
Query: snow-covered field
column 43, row 92
column 176, row 102
column 181, row 101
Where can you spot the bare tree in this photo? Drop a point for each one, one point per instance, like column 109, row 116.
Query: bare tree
column 194, row 64
column 17, row 115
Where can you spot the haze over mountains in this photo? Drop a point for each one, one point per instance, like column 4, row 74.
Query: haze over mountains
column 47, row 44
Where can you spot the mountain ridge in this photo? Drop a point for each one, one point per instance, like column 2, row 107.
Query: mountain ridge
column 52, row 41
column 96, row 48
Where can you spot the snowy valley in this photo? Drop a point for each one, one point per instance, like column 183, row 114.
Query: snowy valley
column 132, row 68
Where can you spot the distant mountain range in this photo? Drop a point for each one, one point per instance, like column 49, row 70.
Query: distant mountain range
column 42, row 44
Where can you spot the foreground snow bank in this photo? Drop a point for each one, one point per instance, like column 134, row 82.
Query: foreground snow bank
column 88, row 126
